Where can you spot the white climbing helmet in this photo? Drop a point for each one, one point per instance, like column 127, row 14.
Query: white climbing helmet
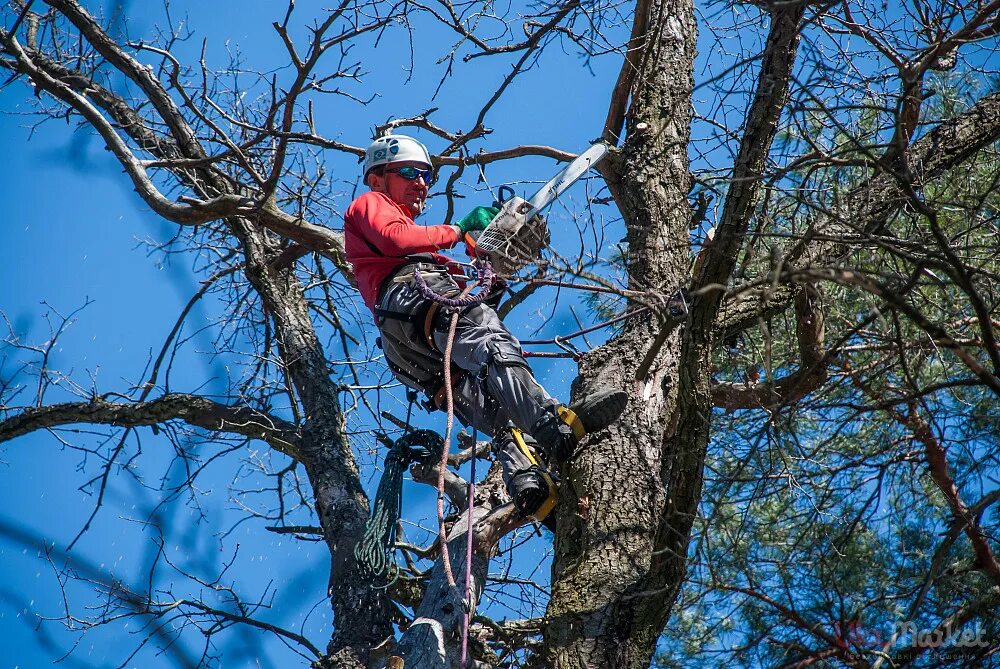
column 395, row 149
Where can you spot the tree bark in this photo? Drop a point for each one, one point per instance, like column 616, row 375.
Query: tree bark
column 361, row 613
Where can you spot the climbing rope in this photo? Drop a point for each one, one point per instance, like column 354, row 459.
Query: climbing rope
column 469, row 536
column 443, row 464
column 487, row 280
column 375, row 548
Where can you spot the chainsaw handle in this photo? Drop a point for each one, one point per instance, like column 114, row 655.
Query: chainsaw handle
column 504, row 193
column 470, row 243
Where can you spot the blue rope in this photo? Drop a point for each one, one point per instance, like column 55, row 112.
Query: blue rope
column 374, row 551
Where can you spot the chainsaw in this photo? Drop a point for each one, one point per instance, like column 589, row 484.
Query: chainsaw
column 516, row 236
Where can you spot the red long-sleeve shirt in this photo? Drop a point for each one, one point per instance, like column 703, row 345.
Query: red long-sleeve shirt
column 378, row 236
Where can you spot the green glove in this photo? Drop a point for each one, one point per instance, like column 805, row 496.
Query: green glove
column 477, row 219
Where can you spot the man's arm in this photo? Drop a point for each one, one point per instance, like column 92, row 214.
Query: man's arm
column 390, row 231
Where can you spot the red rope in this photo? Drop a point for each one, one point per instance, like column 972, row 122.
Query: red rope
column 442, row 535
column 443, row 465
column 468, row 558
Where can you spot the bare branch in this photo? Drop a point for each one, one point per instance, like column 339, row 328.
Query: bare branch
column 192, row 409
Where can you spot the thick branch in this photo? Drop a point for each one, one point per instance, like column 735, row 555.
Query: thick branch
column 432, row 640
column 626, row 77
column 685, row 444
column 871, row 205
column 455, row 487
column 361, row 613
column 759, row 130
column 191, row 409
column 810, row 375
column 131, row 122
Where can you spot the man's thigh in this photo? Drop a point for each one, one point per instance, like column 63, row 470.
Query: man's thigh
column 479, row 336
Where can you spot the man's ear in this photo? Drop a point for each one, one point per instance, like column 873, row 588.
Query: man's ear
column 376, row 182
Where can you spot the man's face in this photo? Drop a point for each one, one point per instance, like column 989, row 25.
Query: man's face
column 410, row 194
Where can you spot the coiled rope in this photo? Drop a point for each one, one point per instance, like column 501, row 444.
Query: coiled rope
column 374, row 551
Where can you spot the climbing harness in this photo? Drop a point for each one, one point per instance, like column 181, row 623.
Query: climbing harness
column 381, row 531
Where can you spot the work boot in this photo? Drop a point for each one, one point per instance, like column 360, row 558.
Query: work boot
column 559, row 433
column 529, row 489
column 534, row 492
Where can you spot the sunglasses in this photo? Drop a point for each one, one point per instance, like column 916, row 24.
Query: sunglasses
column 412, row 173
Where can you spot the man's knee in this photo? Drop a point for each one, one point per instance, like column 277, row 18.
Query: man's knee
column 502, row 352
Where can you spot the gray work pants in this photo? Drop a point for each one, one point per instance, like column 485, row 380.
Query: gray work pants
column 498, row 387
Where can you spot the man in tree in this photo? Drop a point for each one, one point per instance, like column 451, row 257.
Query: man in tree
column 492, row 383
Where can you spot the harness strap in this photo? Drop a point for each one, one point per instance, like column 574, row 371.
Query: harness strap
column 550, row 502
column 428, row 330
column 423, row 317
column 570, row 418
column 397, row 315
column 432, row 312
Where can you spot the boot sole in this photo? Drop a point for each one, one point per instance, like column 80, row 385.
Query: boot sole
column 601, row 409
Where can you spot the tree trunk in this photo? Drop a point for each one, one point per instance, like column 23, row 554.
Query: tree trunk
column 361, row 613
column 613, row 493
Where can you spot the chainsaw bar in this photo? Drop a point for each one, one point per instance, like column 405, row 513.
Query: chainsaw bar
column 566, row 177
